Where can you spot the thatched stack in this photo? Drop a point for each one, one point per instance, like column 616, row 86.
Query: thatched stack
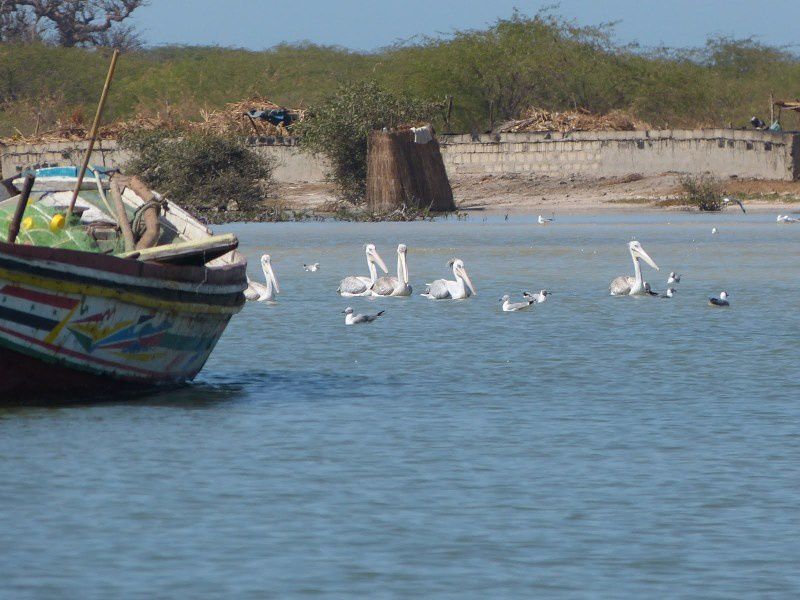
column 403, row 174
column 232, row 119
column 535, row 119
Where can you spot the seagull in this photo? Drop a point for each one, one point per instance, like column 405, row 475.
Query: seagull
column 669, row 293
column 648, row 290
column 509, row 306
column 714, row 231
column 312, row 268
column 728, row 201
column 787, row 219
column 544, row 220
column 352, row 319
column 673, row 278
column 722, row 301
column 539, row 298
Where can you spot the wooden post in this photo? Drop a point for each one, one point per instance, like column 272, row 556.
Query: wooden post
column 22, row 204
column 771, row 109
column 122, row 216
column 93, row 133
column 449, row 112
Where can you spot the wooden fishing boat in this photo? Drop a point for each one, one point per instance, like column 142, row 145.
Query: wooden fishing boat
column 84, row 309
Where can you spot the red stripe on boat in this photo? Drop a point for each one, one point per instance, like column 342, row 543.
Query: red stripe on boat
column 39, row 297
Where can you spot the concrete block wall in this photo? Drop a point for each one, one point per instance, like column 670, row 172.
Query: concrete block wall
column 723, row 152
column 290, row 165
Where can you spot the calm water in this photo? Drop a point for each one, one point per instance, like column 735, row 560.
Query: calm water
column 593, row 447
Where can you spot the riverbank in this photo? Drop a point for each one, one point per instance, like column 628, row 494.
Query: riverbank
column 517, row 194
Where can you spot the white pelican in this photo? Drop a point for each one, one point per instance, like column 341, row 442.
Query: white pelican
column 544, row 220
column 625, row 285
column 669, row 293
column 443, row 289
column 728, row 201
column 786, row 219
column 673, row 278
column 356, row 285
column 312, row 268
column 352, row 319
column 722, row 301
column 538, row 298
column 395, row 286
column 260, row 292
column 509, row 306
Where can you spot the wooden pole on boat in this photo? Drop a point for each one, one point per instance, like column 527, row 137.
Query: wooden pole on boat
column 122, row 216
column 22, row 203
column 93, row 133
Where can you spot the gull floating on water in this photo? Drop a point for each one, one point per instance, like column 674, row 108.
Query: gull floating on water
column 357, row 285
column 509, row 306
column 395, row 286
column 444, row 289
column 625, row 285
column 538, row 298
column 721, row 301
column 312, row 268
column 353, row 319
column 544, row 220
column 673, row 278
column 669, row 293
column 714, row 231
column 648, row 290
column 263, row 292
column 728, row 201
column 787, row 219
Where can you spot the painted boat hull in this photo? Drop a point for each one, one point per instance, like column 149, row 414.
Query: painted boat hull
column 74, row 322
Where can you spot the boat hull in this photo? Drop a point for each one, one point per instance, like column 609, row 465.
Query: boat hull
column 79, row 322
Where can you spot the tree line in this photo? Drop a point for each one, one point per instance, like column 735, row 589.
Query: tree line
column 492, row 74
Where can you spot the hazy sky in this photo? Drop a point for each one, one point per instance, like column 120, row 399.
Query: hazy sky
column 369, row 24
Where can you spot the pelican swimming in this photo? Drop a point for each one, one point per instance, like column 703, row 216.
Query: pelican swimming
column 544, row 220
column 673, row 278
column 722, row 301
column 538, row 298
column 669, row 293
column 312, row 268
column 356, row 285
column 728, row 201
column 787, row 219
column 395, row 286
column 509, row 306
column 353, row 319
column 263, row 292
column 625, row 285
column 443, row 289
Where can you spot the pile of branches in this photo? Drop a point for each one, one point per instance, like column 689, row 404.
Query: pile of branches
column 536, row 119
column 230, row 120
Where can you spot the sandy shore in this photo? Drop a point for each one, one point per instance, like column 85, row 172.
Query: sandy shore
column 541, row 195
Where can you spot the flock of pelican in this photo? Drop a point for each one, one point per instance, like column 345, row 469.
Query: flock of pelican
column 458, row 288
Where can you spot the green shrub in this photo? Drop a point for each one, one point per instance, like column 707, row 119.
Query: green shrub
column 338, row 126
column 207, row 172
column 703, row 191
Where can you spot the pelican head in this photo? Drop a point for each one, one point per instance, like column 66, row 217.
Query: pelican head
column 461, row 273
column 266, row 266
column 638, row 252
column 374, row 257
